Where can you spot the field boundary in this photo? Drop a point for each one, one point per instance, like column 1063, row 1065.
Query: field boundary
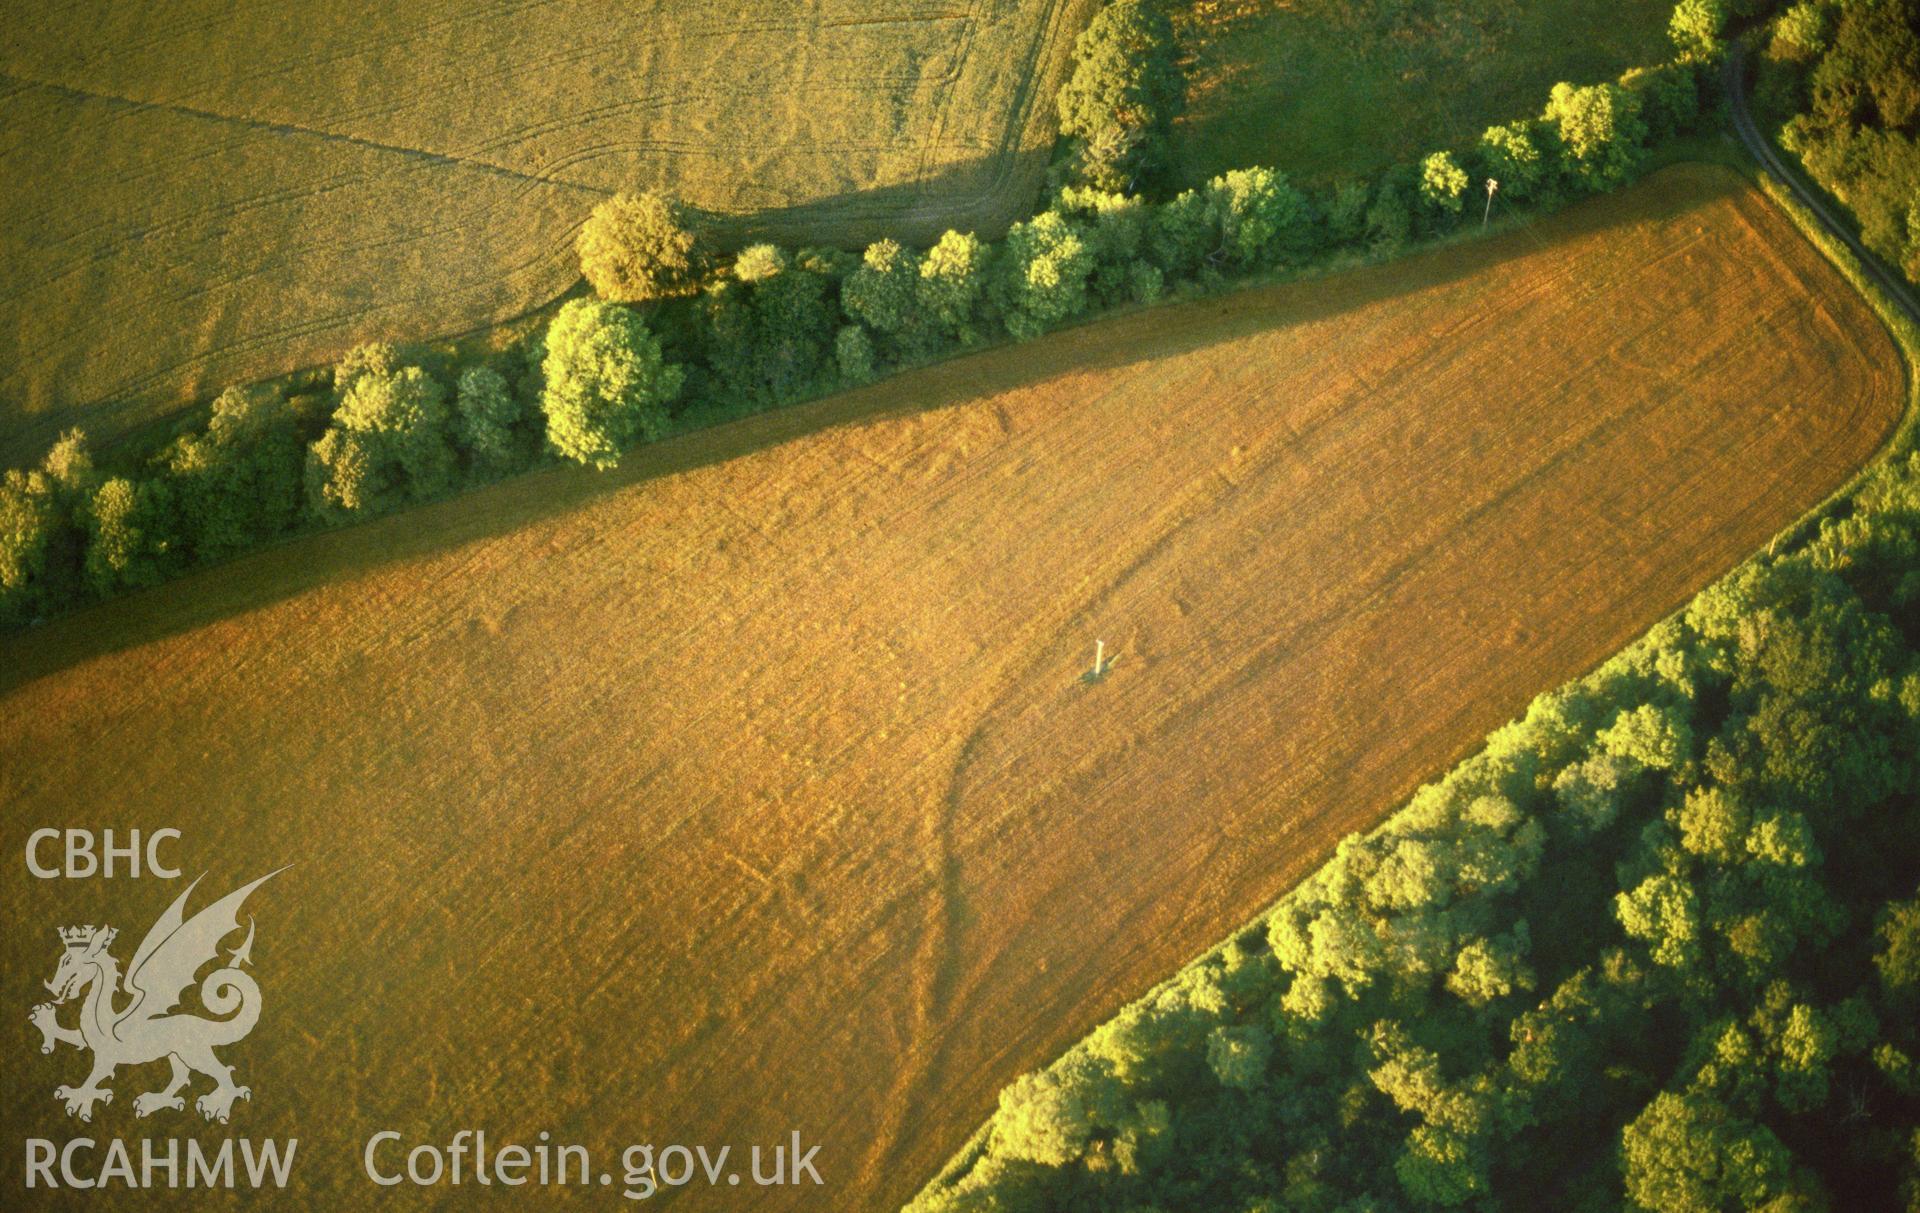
column 1891, row 299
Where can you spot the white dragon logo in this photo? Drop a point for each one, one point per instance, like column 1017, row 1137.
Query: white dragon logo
column 145, row 1030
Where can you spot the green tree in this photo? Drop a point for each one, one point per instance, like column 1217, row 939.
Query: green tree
column 69, row 465
column 1124, row 92
column 1806, row 1046
column 237, row 483
column 1116, row 229
column 1654, row 736
column 607, row 383
column 1668, row 96
column 1689, row 1154
column 1803, row 32
column 882, row 291
column 1181, row 234
column 1600, row 132
column 853, row 354
column 389, row 442
column 1441, row 1166
column 1341, row 944
column 1346, row 212
column 121, row 521
column 1443, row 184
column 1260, row 219
column 1411, row 875
column 1899, row 957
column 1512, row 157
column 1486, row 969
column 368, row 358
column 1871, row 75
column 1664, row 911
column 1050, row 1117
column 1238, row 1056
column 770, row 330
column 487, row 412
column 1146, row 283
column 953, row 282
column 1713, row 824
column 1590, row 793
column 1697, row 28
column 29, row 519
column 637, row 247
column 760, row 263
column 1043, row 274
column 1389, row 219
column 1444, row 1160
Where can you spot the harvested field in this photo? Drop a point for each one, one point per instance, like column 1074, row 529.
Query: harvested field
column 195, row 193
column 754, row 787
column 1325, row 88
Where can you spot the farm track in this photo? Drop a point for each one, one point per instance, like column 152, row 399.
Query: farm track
column 1733, row 77
column 753, row 787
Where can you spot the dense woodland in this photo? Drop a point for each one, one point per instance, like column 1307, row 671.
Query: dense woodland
column 679, row 334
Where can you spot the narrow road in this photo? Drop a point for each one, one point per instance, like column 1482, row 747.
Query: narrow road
column 1734, row 76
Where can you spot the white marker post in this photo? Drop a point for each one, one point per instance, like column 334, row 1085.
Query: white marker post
column 1099, row 670
column 1492, row 185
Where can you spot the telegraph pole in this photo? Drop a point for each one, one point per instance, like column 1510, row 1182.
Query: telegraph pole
column 1492, row 185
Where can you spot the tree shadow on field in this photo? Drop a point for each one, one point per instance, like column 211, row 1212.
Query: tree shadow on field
column 369, row 301
column 984, row 195
column 1110, row 343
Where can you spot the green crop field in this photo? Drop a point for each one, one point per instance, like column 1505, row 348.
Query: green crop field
column 1322, row 88
column 194, row 193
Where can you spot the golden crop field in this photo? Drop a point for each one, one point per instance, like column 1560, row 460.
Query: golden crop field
column 754, row 787
column 195, row 193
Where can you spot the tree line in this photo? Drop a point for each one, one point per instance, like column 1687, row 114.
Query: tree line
column 678, row 332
